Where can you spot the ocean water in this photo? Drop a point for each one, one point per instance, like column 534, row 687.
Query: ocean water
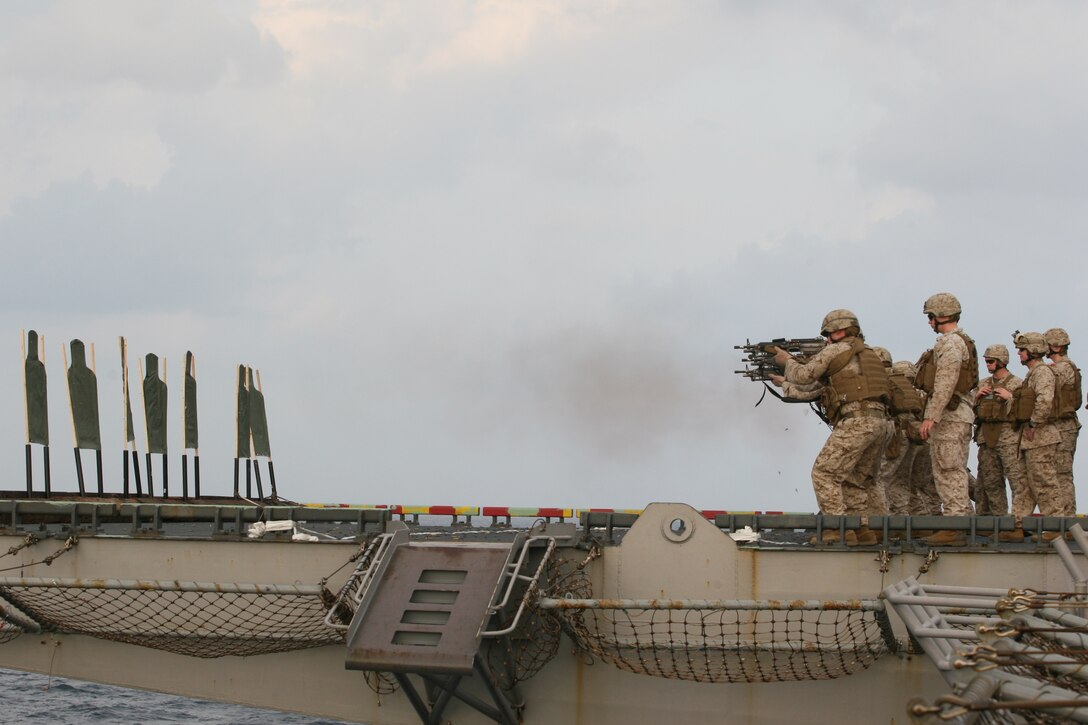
column 29, row 697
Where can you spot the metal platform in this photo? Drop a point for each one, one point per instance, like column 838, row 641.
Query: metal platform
column 423, row 608
column 430, row 609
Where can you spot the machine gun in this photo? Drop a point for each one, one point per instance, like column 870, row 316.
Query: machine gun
column 758, row 357
column 759, row 364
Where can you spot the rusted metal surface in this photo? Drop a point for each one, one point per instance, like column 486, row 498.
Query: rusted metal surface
column 161, row 585
column 768, row 604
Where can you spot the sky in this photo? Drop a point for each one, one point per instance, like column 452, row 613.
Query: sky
column 499, row 253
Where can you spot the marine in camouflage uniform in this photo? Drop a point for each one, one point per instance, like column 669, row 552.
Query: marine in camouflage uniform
column 917, row 471
column 894, row 448
column 999, row 442
column 1033, row 408
column 863, row 492
column 924, row 499
column 947, row 373
column 850, row 382
column 1069, row 397
column 894, row 474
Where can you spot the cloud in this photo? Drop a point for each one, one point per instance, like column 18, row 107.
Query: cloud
column 86, row 90
column 183, row 47
column 493, row 253
column 982, row 113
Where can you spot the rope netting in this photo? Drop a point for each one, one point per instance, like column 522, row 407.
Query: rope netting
column 1050, row 662
column 12, row 621
column 192, row 618
column 729, row 645
column 724, row 640
column 9, row 631
column 522, row 654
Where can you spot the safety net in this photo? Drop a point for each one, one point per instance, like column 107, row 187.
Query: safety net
column 727, row 640
column 200, row 619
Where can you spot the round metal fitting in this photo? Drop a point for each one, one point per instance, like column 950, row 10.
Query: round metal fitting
column 677, row 529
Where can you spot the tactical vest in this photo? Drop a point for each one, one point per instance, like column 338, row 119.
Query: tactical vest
column 1068, row 395
column 905, row 397
column 845, row 385
column 989, row 433
column 991, row 409
column 991, row 414
column 968, row 377
column 1023, row 401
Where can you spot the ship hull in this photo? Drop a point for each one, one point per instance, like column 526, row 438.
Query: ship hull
column 573, row 687
column 569, row 690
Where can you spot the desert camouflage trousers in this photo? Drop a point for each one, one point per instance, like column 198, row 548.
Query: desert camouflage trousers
column 876, row 499
column 908, row 482
column 997, row 464
column 924, row 500
column 844, row 472
column 1068, row 428
column 949, row 441
column 893, row 476
column 1053, row 496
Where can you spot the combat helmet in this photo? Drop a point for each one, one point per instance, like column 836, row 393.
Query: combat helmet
column 839, row 320
column 942, row 304
column 1033, row 342
column 1056, row 336
column 884, row 355
column 997, row 352
column 904, row 367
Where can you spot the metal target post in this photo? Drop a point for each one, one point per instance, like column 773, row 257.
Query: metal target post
column 83, row 406
column 156, row 398
column 190, row 439
column 45, row 447
column 128, row 432
column 259, row 427
column 242, row 442
column 147, row 434
column 75, row 436
column 136, row 469
column 26, row 417
column 253, row 411
column 165, row 467
column 98, row 451
column 124, row 415
column 36, row 404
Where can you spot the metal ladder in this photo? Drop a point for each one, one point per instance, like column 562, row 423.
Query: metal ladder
column 424, row 608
